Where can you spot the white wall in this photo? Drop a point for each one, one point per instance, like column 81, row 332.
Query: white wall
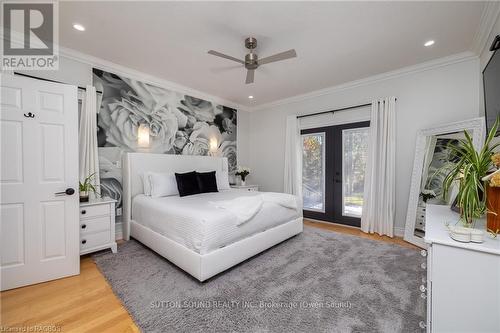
column 425, row 98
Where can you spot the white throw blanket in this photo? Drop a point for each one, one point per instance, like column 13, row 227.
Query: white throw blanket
column 245, row 208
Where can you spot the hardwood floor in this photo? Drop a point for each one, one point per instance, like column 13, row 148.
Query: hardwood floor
column 82, row 303
column 86, row 303
column 357, row 232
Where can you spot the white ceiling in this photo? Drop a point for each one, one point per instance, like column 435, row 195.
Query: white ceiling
column 336, row 42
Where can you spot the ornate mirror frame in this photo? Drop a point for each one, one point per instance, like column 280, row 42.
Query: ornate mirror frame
column 478, row 129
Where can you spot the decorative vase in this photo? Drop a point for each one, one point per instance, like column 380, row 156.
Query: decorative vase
column 243, row 183
column 493, row 204
column 84, row 196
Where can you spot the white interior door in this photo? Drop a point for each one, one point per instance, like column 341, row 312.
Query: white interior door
column 39, row 235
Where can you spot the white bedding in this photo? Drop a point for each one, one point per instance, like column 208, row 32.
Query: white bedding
column 195, row 222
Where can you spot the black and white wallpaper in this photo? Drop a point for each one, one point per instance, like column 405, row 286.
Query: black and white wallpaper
column 178, row 124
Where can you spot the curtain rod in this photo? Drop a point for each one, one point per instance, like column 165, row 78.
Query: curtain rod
column 336, row 110
column 333, row 111
column 48, row 80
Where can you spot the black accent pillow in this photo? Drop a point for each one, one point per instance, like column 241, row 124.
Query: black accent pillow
column 207, row 182
column 187, row 183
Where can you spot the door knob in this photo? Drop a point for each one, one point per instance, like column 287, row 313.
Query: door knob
column 68, row 191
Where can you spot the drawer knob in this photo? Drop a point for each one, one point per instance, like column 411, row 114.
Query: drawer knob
column 424, row 296
column 84, row 212
column 423, row 253
column 84, row 241
column 84, row 226
column 423, row 265
column 422, row 288
column 422, row 324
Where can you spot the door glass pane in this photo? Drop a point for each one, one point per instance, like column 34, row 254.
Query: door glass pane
column 313, row 171
column 354, row 153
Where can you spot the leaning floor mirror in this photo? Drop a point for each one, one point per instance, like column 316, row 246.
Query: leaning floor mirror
column 433, row 157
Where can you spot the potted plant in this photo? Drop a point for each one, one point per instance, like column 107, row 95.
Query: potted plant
column 243, row 172
column 469, row 172
column 86, row 187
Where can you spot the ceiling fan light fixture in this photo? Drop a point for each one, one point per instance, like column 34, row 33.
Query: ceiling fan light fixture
column 252, row 61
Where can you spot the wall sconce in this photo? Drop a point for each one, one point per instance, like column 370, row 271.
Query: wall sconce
column 143, row 136
column 213, row 146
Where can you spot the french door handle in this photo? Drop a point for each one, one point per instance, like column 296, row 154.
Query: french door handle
column 68, row 191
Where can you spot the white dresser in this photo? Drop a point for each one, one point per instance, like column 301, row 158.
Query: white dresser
column 246, row 187
column 463, row 279
column 97, row 225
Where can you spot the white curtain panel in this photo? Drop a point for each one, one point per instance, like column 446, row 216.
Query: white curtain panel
column 379, row 194
column 88, row 152
column 293, row 157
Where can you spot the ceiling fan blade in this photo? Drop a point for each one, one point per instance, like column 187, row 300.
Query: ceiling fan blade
column 250, row 74
column 278, row 57
column 225, row 56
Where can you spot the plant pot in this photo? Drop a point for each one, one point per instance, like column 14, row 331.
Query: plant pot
column 243, row 183
column 84, row 196
column 493, row 204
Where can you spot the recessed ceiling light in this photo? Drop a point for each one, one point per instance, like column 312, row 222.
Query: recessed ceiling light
column 79, row 27
column 429, row 43
column 250, row 97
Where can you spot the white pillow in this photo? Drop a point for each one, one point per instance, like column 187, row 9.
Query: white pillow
column 222, row 179
column 146, row 183
column 163, row 184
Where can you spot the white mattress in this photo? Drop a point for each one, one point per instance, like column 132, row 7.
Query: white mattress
column 198, row 225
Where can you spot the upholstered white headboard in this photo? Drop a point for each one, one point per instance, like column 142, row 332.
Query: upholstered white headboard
column 135, row 164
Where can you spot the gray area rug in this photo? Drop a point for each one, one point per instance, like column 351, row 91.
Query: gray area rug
column 318, row 281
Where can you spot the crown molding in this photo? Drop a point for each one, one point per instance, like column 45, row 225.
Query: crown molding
column 422, row 67
column 147, row 78
column 489, row 16
column 112, row 67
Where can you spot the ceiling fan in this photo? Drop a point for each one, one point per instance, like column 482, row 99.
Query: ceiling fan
column 252, row 61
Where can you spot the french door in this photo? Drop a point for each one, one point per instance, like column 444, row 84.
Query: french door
column 334, row 160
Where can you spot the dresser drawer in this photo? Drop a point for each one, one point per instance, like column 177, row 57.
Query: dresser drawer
column 95, row 210
column 89, row 241
column 95, row 224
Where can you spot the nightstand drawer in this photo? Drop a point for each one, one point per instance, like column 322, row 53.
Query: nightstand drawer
column 89, row 241
column 95, row 210
column 95, row 224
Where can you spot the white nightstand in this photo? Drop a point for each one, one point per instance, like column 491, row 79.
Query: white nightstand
column 246, row 187
column 97, row 225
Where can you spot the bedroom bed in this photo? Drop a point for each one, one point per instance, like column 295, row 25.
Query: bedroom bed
column 193, row 232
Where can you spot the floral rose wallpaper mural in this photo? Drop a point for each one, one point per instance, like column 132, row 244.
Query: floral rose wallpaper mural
column 178, row 124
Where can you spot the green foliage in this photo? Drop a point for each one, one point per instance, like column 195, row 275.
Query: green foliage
column 312, row 157
column 87, row 185
column 472, row 167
